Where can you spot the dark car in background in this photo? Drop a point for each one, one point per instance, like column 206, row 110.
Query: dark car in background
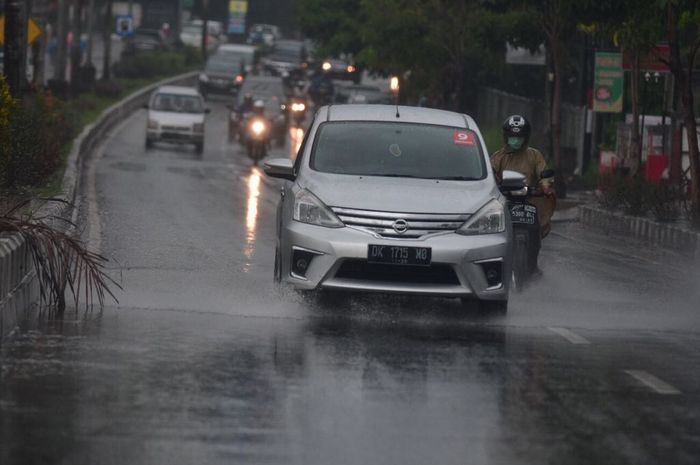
column 288, row 56
column 145, row 40
column 359, row 93
column 226, row 70
column 342, row 70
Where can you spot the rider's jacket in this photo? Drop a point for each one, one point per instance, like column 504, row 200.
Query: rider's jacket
column 527, row 160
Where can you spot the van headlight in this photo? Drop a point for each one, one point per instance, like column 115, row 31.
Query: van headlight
column 309, row 209
column 490, row 219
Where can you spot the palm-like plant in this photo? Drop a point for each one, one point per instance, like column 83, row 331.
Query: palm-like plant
column 62, row 262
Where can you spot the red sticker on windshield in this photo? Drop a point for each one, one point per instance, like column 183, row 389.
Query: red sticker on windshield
column 463, row 138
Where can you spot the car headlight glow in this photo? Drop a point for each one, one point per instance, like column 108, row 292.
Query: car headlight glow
column 203, row 77
column 309, row 209
column 490, row 219
column 326, row 66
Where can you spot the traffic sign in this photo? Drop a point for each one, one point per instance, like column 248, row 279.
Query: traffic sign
column 33, row 31
column 125, row 26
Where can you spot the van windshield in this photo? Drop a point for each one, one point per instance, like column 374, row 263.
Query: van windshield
column 398, row 150
column 178, row 103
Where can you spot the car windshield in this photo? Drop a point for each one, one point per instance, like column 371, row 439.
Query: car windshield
column 398, row 150
column 228, row 59
column 223, row 66
column 178, row 103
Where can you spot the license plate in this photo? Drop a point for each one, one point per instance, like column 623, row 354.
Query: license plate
column 523, row 214
column 399, row 255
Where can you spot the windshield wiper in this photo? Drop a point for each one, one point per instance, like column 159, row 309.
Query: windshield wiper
column 457, row 178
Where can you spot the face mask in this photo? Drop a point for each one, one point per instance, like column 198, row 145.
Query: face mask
column 516, row 142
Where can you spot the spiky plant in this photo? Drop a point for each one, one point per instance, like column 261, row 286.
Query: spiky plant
column 62, row 262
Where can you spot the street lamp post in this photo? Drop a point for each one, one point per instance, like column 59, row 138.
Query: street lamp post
column 12, row 59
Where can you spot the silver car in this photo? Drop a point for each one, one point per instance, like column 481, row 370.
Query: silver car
column 393, row 200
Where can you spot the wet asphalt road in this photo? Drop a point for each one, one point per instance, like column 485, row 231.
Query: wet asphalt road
column 203, row 361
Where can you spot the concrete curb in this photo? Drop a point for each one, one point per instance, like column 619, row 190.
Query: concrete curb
column 18, row 284
column 665, row 235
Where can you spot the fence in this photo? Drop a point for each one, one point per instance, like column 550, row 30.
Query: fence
column 494, row 106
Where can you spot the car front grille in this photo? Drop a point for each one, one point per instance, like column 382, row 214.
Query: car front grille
column 175, row 128
column 362, row 270
column 400, row 225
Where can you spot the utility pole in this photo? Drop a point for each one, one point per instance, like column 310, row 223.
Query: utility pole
column 107, row 41
column 91, row 30
column 61, row 32
column 76, row 55
column 12, row 60
column 205, row 27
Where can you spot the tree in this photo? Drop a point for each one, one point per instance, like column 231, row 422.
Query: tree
column 333, row 24
column 683, row 28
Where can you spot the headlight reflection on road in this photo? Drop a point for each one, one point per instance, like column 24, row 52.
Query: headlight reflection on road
column 296, row 136
column 252, row 213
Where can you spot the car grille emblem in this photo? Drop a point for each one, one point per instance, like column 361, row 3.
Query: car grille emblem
column 400, row 226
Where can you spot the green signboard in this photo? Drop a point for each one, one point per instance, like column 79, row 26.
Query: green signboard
column 608, row 85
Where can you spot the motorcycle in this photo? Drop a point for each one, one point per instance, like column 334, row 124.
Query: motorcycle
column 527, row 231
column 257, row 138
column 297, row 111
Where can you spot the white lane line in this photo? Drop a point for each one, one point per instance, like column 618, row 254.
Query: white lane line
column 652, row 382
column 570, row 336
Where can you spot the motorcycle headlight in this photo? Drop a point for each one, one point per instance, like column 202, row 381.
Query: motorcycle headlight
column 490, row 219
column 309, row 209
column 258, row 127
column 203, row 77
column 152, row 124
column 298, row 107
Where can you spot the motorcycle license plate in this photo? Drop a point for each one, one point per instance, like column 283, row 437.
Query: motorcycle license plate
column 399, row 255
column 523, row 214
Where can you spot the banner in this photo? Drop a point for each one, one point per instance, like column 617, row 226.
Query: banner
column 608, row 85
column 237, row 10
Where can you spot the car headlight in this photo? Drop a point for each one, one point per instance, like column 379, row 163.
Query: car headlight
column 198, row 127
column 309, row 209
column 203, row 77
column 490, row 219
column 152, row 124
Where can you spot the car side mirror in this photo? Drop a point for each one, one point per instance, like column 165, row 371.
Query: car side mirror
column 512, row 181
column 547, row 174
column 281, row 168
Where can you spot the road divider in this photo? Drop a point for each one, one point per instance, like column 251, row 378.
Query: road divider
column 18, row 284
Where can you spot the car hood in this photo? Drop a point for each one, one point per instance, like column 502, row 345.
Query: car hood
column 176, row 119
column 404, row 195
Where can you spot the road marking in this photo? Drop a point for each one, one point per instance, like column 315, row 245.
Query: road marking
column 570, row 336
column 652, row 382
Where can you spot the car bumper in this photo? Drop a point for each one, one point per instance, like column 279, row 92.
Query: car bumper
column 339, row 261
column 175, row 136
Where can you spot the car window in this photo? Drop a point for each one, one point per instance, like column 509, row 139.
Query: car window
column 302, row 149
column 177, row 103
column 398, row 150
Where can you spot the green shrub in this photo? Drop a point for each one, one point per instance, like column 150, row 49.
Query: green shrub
column 154, row 64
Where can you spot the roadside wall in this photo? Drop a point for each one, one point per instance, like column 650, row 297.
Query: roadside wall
column 494, row 106
column 18, row 284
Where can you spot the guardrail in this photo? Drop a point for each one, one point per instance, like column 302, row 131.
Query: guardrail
column 665, row 235
column 18, row 286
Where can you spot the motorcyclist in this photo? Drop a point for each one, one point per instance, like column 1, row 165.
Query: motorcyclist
column 257, row 113
column 517, row 155
column 246, row 105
